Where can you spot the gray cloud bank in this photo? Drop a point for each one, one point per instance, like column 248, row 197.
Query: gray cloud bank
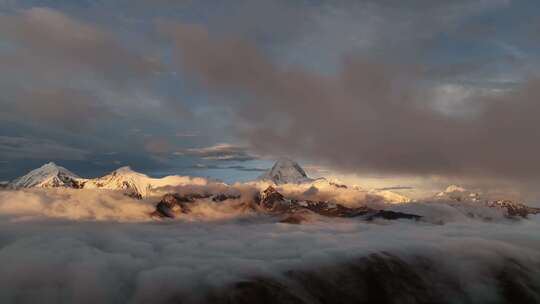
column 24, row 148
column 106, row 259
column 74, row 45
column 235, row 167
column 72, row 76
column 370, row 115
column 75, row 82
column 219, row 152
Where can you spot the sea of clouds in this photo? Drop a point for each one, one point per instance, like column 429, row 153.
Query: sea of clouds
column 89, row 246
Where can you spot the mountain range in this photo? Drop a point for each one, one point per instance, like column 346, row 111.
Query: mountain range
column 460, row 196
column 284, row 173
column 124, row 179
column 48, row 176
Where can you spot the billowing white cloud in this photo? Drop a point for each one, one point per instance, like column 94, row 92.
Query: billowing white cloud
column 73, row 204
column 50, row 259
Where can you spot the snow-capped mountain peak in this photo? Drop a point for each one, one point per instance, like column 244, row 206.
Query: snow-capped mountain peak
column 454, row 188
column 286, row 171
column 47, row 176
column 124, row 178
column 125, row 170
column 458, row 193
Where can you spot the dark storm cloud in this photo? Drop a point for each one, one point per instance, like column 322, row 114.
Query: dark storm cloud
column 73, row 44
column 369, row 116
column 95, row 70
column 32, row 148
column 67, row 108
column 56, row 70
column 70, row 80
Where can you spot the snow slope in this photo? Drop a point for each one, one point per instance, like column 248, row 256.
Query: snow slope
column 457, row 193
column 140, row 185
column 48, row 176
column 285, row 171
column 123, row 179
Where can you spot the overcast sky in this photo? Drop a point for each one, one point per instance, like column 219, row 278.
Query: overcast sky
column 417, row 88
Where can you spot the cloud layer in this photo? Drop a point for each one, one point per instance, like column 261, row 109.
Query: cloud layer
column 415, row 87
column 89, row 205
column 56, row 260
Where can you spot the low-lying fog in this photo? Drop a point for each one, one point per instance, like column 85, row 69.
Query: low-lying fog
column 87, row 246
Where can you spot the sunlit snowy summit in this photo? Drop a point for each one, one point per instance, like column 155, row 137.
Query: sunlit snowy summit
column 124, row 179
column 49, row 175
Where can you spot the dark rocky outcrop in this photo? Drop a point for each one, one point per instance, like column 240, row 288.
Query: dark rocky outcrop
column 392, row 215
column 223, row 197
column 513, row 208
column 274, row 202
column 172, row 205
column 457, row 196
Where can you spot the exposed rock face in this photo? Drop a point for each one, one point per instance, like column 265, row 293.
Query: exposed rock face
column 275, row 202
column 458, row 195
column 223, row 197
column 272, row 202
column 513, row 208
column 392, row 215
column 171, row 205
